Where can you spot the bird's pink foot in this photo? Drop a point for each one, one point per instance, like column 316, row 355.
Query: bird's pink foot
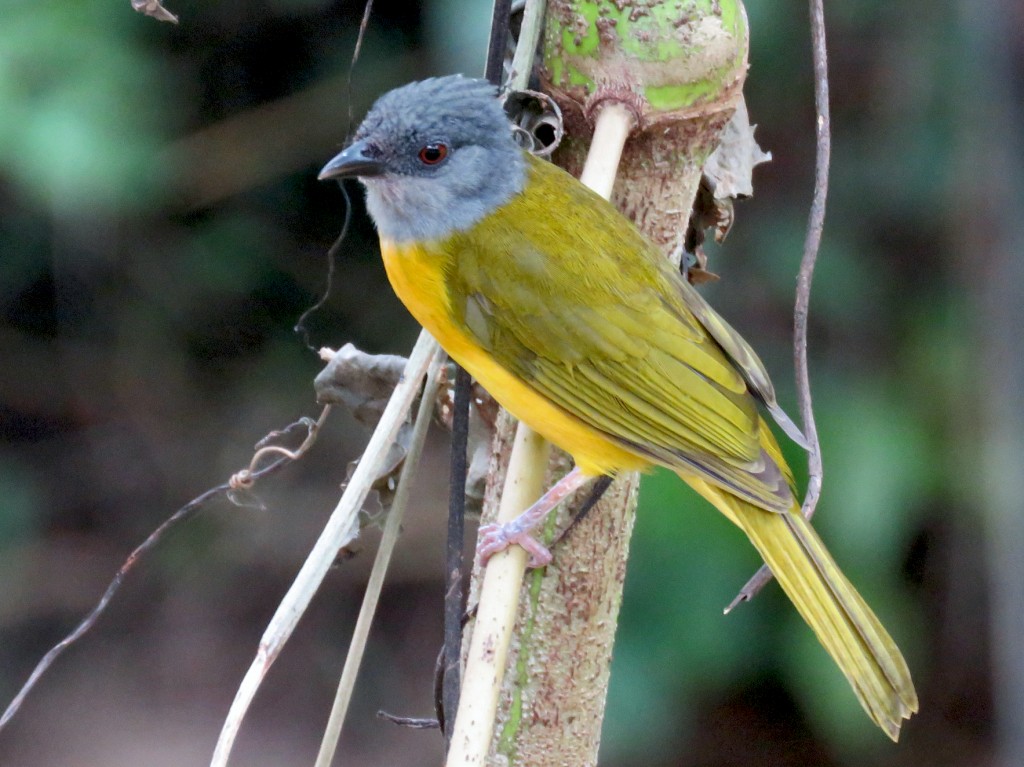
column 498, row 537
column 495, row 538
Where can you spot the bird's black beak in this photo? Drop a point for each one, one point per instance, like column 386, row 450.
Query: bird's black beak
column 356, row 160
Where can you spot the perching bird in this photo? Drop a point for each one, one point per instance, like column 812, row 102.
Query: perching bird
column 578, row 325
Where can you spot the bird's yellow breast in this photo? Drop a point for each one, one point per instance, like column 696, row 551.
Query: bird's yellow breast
column 417, row 276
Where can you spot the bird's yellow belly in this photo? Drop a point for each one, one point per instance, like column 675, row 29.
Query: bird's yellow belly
column 416, row 278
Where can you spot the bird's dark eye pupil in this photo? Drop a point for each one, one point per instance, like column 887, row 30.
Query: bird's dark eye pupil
column 432, row 154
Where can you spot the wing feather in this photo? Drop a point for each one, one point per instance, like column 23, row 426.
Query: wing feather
column 612, row 340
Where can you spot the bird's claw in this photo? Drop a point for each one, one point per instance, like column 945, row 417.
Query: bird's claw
column 496, row 537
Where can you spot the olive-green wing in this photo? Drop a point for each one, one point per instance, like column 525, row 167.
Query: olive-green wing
column 600, row 329
column 745, row 358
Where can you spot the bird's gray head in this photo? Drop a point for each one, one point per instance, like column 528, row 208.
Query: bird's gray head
column 435, row 156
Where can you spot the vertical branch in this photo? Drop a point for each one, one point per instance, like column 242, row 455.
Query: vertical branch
column 497, row 40
column 556, row 680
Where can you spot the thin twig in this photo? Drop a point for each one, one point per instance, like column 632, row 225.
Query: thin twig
column 992, row 144
column 250, row 475
column 246, row 478
column 393, row 526
column 612, row 127
column 815, row 225
column 364, row 23
column 597, row 491
column 526, row 48
column 332, row 265
column 454, row 558
column 332, row 253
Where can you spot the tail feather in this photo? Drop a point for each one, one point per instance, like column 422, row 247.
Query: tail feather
column 867, row 625
column 830, row 605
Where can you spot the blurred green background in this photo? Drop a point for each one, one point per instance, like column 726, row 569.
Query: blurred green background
column 161, row 230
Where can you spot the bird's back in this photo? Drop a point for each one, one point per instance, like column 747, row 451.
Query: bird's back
column 576, row 323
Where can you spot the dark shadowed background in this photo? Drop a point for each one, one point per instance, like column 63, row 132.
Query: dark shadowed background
column 161, row 230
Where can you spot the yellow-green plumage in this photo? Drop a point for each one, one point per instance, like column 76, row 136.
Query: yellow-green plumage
column 599, row 345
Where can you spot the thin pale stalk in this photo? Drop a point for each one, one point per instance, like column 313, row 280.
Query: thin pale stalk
column 526, row 48
column 371, row 596
column 496, row 614
column 340, row 528
column 614, row 122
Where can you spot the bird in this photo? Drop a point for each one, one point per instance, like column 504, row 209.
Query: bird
column 576, row 323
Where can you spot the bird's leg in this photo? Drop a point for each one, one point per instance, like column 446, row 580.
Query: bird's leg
column 498, row 537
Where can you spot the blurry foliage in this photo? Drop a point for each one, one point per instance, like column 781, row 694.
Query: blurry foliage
column 19, row 518
column 82, row 106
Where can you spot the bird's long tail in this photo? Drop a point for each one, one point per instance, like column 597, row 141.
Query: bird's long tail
column 833, row 609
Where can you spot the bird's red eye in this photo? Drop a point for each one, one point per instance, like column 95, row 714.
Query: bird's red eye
column 432, row 154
